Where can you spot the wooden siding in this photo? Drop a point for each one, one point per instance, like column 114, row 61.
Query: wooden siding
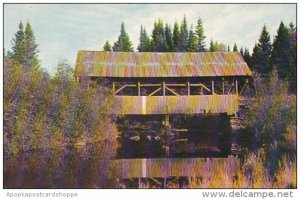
column 166, row 167
column 178, row 104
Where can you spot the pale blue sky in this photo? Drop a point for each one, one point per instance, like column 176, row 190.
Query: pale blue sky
column 63, row 29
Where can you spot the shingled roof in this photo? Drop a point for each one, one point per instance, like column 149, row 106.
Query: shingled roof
column 154, row 64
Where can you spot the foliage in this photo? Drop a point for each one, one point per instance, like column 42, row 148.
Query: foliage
column 199, row 32
column 247, row 57
column 31, row 59
column 176, row 37
column 235, row 49
column 184, row 35
column 169, row 38
column 262, row 53
column 19, row 45
column 272, row 111
column 212, row 47
column 270, row 121
column 107, row 46
column 144, row 45
column 217, row 47
column 158, row 42
column 192, row 43
column 123, row 44
column 284, row 53
column 242, row 51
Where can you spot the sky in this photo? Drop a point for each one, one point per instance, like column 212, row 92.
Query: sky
column 61, row 30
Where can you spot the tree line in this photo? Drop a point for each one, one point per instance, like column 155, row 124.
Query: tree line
column 281, row 55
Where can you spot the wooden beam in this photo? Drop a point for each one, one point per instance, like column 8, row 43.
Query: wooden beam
column 113, row 87
column 150, row 85
column 232, row 84
column 202, row 85
column 175, row 84
column 155, row 91
column 126, row 85
column 164, row 88
column 236, row 87
column 223, row 86
column 139, row 89
column 156, row 181
column 188, row 87
column 172, row 91
column 242, row 90
column 130, row 85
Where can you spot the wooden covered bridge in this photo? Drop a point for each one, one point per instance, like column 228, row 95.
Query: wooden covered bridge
column 147, row 83
column 169, row 83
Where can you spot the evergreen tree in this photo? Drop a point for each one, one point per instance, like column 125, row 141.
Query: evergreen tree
column 123, row 44
column 9, row 55
column 281, row 52
column 235, row 49
column 247, row 56
column 184, row 35
column 107, row 46
column 158, row 42
column 293, row 58
column 228, row 48
column 262, row 53
column 176, row 37
column 144, row 45
column 242, row 51
column 192, row 43
column 169, row 38
column 199, row 32
column 219, row 47
column 19, row 46
column 212, row 47
column 31, row 57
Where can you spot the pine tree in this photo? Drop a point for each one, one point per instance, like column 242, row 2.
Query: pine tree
column 31, row 59
column 9, row 55
column 219, row 47
column 107, row 46
column 247, row 56
column 169, row 38
column 212, row 47
column 184, row 35
column 144, row 45
column 192, row 43
column 123, row 44
column 235, row 49
column 293, row 58
column 19, row 46
column 176, row 37
column 158, row 42
column 199, row 32
column 242, row 51
column 262, row 53
column 281, row 52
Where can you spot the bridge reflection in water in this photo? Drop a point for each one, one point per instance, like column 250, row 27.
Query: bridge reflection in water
column 163, row 168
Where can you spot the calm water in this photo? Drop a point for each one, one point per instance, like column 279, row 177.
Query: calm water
column 198, row 136
column 88, row 168
column 57, row 169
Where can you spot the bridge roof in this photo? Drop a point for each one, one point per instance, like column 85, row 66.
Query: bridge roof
column 157, row 64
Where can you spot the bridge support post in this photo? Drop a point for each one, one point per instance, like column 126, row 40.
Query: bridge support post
column 166, row 120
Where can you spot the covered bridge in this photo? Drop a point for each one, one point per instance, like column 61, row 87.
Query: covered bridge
column 169, row 83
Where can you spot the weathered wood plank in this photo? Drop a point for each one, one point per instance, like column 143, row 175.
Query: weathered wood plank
column 166, row 167
column 178, row 104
